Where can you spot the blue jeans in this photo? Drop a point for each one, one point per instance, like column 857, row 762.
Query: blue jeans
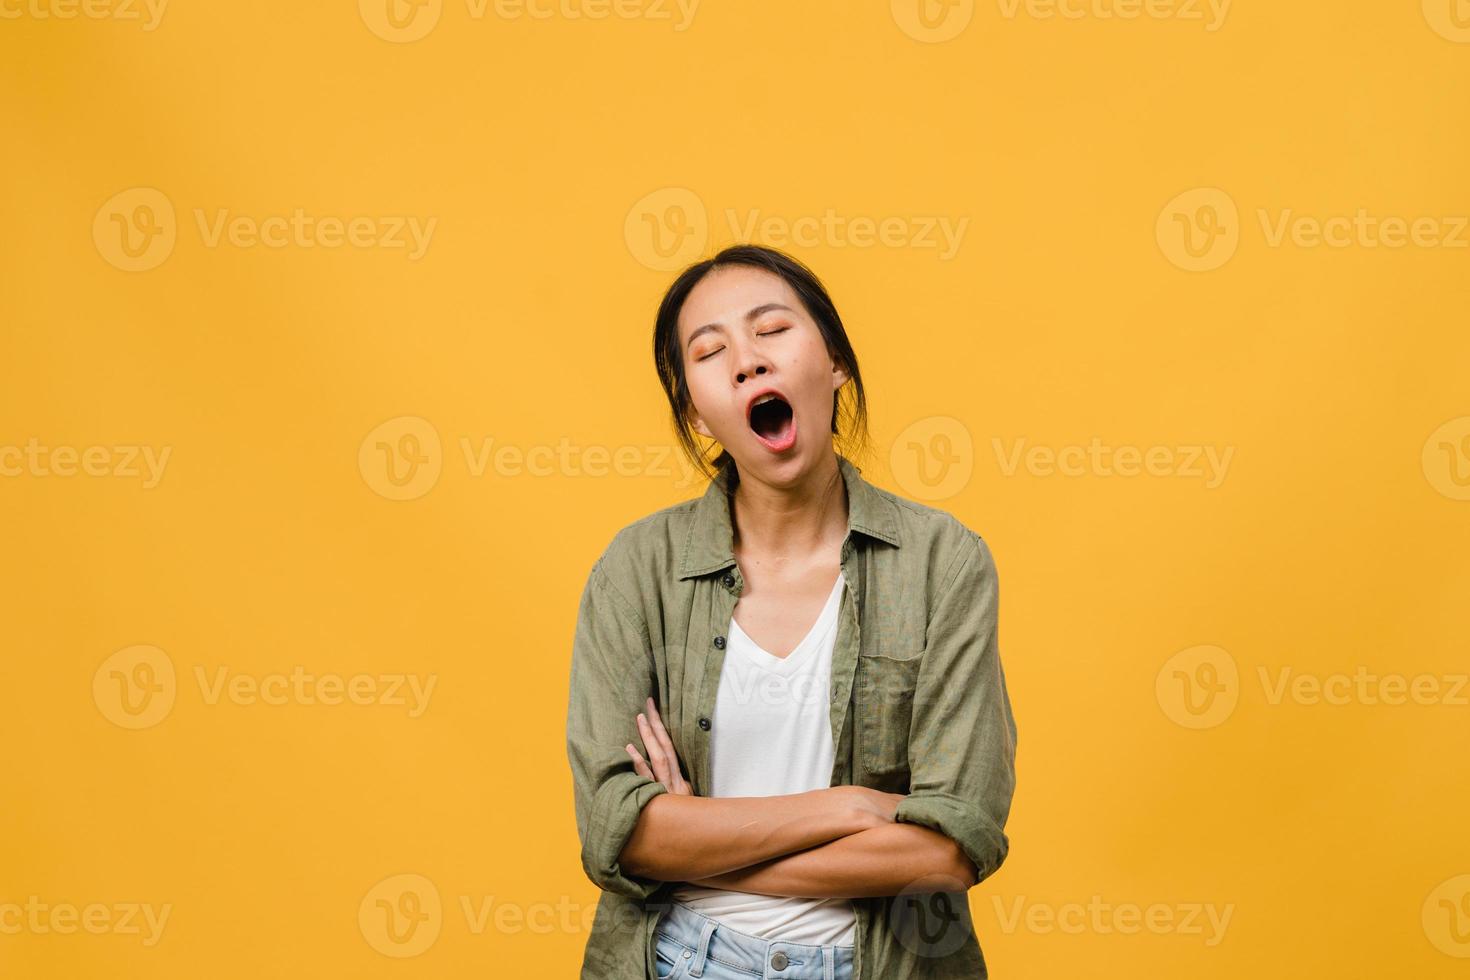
column 689, row 944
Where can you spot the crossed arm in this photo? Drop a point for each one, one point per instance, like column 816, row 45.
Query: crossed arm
column 838, row 842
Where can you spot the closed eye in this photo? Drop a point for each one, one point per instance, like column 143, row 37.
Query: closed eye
column 768, row 333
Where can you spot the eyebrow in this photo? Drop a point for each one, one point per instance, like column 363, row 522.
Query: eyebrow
column 750, row 317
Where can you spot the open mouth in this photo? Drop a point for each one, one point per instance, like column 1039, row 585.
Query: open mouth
column 774, row 423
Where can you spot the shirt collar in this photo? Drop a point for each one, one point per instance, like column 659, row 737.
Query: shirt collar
column 710, row 545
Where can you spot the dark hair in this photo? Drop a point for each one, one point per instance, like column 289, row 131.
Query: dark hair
column 849, row 409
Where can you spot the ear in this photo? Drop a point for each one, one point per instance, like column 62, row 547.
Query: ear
column 840, row 376
column 696, row 421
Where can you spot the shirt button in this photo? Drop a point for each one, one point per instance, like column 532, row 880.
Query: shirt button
column 728, row 579
column 704, row 723
column 778, row 960
column 720, row 642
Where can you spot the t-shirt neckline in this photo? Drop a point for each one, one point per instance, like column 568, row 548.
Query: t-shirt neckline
column 817, row 632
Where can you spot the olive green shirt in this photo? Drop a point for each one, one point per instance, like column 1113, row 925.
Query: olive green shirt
column 919, row 706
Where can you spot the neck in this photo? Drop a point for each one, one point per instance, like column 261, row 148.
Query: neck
column 795, row 520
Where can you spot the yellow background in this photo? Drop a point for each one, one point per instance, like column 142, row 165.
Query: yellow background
column 548, row 151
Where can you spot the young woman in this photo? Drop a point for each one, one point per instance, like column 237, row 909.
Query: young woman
column 790, row 737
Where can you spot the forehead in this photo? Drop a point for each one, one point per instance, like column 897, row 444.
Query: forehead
column 728, row 293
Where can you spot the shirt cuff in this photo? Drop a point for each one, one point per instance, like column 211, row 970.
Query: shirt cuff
column 615, row 813
column 964, row 823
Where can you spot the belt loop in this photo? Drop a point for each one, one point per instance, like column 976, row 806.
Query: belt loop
column 829, row 961
column 697, row 970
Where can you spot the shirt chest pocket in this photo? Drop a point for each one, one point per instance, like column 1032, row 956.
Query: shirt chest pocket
column 884, row 701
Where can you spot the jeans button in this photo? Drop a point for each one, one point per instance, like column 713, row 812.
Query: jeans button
column 778, row 960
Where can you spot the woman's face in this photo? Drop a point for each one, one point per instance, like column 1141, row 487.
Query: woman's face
column 742, row 332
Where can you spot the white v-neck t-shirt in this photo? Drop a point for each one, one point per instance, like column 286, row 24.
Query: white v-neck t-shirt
column 772, row 735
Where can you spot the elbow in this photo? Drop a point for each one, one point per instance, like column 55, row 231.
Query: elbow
column 975, row 845
column 950, row 869
column 640, row 854
column 635, row 860
column 962, row 868
column 968, row 874
column 617, row 854
column 973, row 874
column 623, row 877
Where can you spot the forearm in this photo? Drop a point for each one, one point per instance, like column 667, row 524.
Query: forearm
column 879, row 861
column 680, row 838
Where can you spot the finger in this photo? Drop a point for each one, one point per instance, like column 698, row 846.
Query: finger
column 679, row 784
column 639, row 766
column 654, row 750
column 666, row 743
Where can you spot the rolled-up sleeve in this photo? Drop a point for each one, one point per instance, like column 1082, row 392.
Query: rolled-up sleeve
column 612, row 674
column 962, row 739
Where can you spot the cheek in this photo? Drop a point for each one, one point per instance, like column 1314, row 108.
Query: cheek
column 704, row 396
column 699, row 386
column 816, row 368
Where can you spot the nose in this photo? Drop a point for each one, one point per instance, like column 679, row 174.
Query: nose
column 750, row 363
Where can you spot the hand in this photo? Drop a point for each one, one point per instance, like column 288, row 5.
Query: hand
column 665, row 761
column 875, row 806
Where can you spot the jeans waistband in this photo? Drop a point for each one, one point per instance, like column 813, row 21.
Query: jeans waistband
column 770, row 959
